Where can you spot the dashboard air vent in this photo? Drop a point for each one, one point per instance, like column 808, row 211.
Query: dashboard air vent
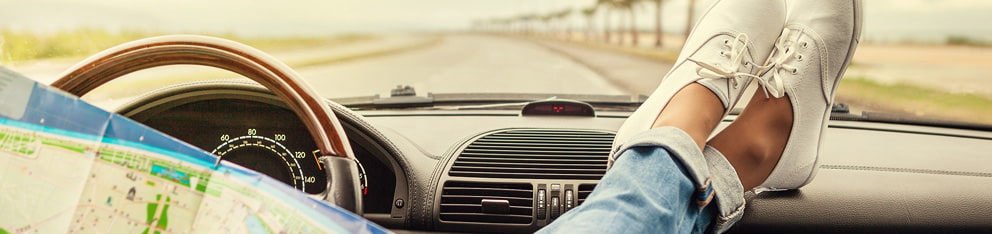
column 536, row 154
column 487, row 202
column 584, row 191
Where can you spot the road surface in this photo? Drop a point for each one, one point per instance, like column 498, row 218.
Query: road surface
column 464, row 64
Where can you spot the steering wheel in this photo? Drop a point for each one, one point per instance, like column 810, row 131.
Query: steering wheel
column 320, row 121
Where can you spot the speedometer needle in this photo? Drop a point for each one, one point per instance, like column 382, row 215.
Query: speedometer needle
column 217, row 163
column 318, row 161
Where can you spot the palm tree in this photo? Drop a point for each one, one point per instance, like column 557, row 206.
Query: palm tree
column 547, row 20
column 503, row 25
column 589, row 13
column 562, row 17
column 657, row 23
column 691, row 16
column 606, row 5
column 629, row 5
column 525, row 22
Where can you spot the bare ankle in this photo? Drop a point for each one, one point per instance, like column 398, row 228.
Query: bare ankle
column 755, row 141
column 695, row 110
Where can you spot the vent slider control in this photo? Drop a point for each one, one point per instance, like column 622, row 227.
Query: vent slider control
column 495, row 206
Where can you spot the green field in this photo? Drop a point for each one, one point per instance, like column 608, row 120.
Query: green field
column 21, row 46
column 915, row 100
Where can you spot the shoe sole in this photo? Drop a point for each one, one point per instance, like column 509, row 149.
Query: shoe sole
column 858, row 23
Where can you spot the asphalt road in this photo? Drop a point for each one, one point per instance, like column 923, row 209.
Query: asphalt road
column 464, row 64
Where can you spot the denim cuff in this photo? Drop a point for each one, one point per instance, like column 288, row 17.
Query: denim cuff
column 714, row 177
column 729, row 190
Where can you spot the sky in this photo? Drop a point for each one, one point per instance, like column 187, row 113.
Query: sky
column 887, row 20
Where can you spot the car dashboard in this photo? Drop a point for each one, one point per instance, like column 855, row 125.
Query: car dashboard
column 501, row 171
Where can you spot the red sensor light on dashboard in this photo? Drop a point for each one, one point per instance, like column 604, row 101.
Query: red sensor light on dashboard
column 558, row 107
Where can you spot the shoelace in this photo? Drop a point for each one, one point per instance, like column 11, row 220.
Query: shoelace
column 780, row 60
column 732, row 70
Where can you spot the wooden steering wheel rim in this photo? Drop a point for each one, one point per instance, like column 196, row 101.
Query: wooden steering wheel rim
column 220, row 53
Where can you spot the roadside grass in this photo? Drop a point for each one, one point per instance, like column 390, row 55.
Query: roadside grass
column 915, row 100
column 291, row 43
column 665, row 55
column 368, row 54
column 966, row 41
column 949, row 40
column 16, row 46
column 22, row 46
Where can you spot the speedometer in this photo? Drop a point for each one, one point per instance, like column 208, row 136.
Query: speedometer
column 257, row 135
column 265, row 153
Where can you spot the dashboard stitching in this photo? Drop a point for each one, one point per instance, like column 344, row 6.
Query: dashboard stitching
column 438, row 170
column 352, row 118
column 421, row 149
column 906, row 170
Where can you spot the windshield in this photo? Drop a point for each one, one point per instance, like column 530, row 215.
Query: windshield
column 917, row 57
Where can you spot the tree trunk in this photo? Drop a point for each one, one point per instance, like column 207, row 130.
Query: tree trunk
column 548, row 29
column 633, row 27
column 691, row 16
column 568, row 29
column 589, row 29
column 619, row 29
column 606, row 25
column 657, row 24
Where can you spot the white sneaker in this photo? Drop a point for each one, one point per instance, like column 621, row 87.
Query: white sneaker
column 719, row 54
column 809, row 60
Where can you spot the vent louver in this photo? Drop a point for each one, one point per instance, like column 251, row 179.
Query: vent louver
column 462, row 201
column 584, row 191
column 536, row 154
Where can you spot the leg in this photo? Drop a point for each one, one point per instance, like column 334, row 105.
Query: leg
column 629, row 199
column 663, row 182
column 695, row 110
column 754, row 142
column 710, row 69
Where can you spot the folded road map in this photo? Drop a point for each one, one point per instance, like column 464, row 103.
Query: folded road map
column 68, row 166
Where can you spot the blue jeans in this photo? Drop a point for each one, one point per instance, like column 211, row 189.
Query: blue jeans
column 660, row 183
column 646, row 191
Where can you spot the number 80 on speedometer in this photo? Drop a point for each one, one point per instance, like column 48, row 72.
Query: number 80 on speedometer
column 271, row 157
